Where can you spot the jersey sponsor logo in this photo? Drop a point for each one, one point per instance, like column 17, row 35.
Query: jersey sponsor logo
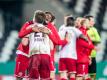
column 38, row 37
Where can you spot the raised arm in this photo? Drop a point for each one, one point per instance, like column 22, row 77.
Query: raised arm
column 85, row 44
column 54, row 31
column 56, row 40
column 24, row 31
column 27, row 29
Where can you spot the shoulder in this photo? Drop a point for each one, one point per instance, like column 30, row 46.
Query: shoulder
column 76, row 29
column 29, row 22
column 62, row 27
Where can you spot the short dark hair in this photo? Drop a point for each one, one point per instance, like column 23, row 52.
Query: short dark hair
column 40, row 17
column 70, row 21
column 88, row 17
column 53, row 17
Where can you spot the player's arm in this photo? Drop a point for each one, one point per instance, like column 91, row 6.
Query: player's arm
column 83, row 37
column 80, row 35
column 57, row 41
column 27, row 29
column 25, row 41
column 52, row 36
column 86, row 44
column 97, row 37
column 55, row 32
column 23, row 32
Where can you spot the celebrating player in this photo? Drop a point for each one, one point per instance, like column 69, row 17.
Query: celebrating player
column 68, row 55
column 95, row 38
column 51, row 25
column 22, row 58
column 83, row 52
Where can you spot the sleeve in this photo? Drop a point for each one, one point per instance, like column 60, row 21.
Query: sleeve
column 93, row 34
column 57, row 41
column 85, row 44
column 77, row 32
column 61, row 27
column 54, row 36
column 61, row 33
column 24, row 31
column 97, row 36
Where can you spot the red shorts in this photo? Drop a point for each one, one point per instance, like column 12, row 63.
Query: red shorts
column 39, row 66
column 82, row 69
column 67, row 64
column 21, row 66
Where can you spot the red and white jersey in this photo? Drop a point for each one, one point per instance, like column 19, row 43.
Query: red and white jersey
column 25, row 30
column 39, row 43
column 56, row 39
column 23, row 50
column 69, row 50
column 83, row 47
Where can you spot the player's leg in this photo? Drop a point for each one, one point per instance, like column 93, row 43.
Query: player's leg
column 71, row 67
column 82, row 71
column 86, row 77
column 21, row 66
column 52, row 69
column 79, row 78
column 72, row 76
column 33, row 72
column 63, row 75
column 44, row 68
column 92, row 69
column 62, row 69
column 52, row 75
column 18, row 78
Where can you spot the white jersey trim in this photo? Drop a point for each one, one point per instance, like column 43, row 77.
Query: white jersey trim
column 22, row 53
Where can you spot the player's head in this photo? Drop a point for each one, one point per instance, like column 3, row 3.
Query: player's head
column 39, row 16
column 65, row 18
column 91, row 19
column 78, row 22
column 49, row 16
column 70, row 21
column 85, row 23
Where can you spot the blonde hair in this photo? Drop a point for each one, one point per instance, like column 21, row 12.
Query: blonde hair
column 85, row 22
column 35, row 13
column 78, row 21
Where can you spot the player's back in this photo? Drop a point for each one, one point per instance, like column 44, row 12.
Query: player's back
column 69, row 50
column 39, row 43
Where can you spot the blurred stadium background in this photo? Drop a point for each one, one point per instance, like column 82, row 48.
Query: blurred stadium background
column 13, row 13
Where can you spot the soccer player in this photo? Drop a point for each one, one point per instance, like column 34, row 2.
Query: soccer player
column 68, row 55
column 39, row 50
column 23, row 49
column 83, row 52
column 51, row 25
column 95, row 38
column 22, row 58
column 21, row 61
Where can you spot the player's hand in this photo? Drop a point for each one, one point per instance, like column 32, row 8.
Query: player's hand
column 90, row 60
column 25, row 41
column 86, row 39
column 45, row 30
column 35, row 29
